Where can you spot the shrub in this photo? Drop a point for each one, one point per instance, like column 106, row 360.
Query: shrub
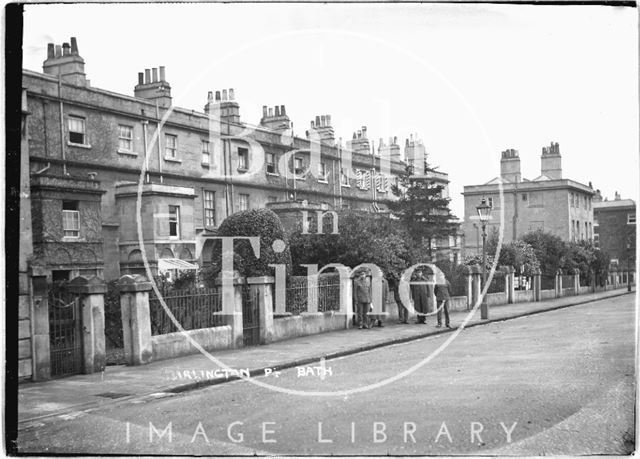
column 262, row 223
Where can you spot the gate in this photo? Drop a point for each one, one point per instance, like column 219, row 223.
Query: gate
column 250, row 316
column 65, row 331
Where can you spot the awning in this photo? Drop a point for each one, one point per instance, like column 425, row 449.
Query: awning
column 166, row 264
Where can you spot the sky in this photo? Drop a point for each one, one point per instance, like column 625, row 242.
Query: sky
column 470, row 80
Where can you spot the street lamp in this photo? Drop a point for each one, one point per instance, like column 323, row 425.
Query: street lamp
column 484, row 212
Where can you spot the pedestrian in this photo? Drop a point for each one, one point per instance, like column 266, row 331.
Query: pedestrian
column 420, row 297
column 385, row 296
column 403, row 313
column 362, row 299
column 443, row 299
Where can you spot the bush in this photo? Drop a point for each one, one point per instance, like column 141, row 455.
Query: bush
column 262, row 223
column 363, row 238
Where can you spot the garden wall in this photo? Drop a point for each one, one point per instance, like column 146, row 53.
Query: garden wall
column 176, row 344
column 547, row 294
column 307, row 324
column 522, row 296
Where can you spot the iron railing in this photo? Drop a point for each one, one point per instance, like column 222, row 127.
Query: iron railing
column 327, row 294
column 193, row 308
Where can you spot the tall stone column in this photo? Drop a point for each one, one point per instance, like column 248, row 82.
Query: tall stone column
column 39, row 327
column 91, row 295
column 477, row 284
column 469, row 287
column 558, row 283
column 537, row 284
column 136, row 321
column 262, row 286
column 234, row 320
column 509, row 275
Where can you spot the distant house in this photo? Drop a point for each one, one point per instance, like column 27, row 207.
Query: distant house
column 615, row 228
column 549, row 202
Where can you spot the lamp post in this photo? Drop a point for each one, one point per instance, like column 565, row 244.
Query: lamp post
column 484, row 212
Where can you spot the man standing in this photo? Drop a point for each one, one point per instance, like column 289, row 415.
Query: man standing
column 362, row 298
column 443, row 299
column 403, row 314
column 420, row 297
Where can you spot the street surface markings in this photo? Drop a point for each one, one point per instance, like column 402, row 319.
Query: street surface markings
column 72, row 415
column 113, row 395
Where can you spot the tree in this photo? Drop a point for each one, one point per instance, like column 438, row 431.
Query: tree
column 520, row 255
column 363, row 237
column 421, row 208
column 549, row 249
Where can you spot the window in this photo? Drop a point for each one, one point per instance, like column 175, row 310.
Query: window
column 297, row 164
column 174, row 222
column 595, row 220
column 170, row 146
column 209, row 208
column 243, row 202
column 363, row 179
column 243, row 159
column 572, row 200
column 206, row 153
column 322, row 172
column 382, row 183
column 70, row 219
column 272, row 199
column 524, row 197
column 76, row 130
column 631, row 219
column 125, row 138
column 344, row 180
column 573, row 230
column 490, row 202
column 271, row 163
column 586, row 230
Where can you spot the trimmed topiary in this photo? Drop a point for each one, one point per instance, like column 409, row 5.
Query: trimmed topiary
column 265, row 224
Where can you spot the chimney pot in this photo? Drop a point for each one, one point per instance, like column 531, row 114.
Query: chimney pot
column 74, row 46
column 210, row 96
column 217, row 96
column 317, row 121
column 270, row 112
column 140, row 78
column 277, row 110
column 231, row 94
column 311, row 124
column 224, row 94
column 264, row 111
column 354, row 135
column 51, row 52
column 147, row 76
column 154, row 73
column 162, row 75
column 323, row 120
column 395, row 140
column 282, row 111
column 66, row 48
column 58, row 51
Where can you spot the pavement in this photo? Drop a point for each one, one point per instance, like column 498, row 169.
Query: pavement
column 72, row 396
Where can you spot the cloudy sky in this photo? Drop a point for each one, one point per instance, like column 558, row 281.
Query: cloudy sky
column 470, row 80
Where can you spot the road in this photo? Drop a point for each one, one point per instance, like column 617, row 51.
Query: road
column 561, row 382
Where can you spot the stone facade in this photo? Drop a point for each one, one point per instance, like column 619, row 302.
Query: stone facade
column 226, row 164
column 615, row 229
column 549, row 202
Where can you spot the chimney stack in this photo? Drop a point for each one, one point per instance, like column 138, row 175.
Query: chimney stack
column 510, row 166
column 74, row 46
column 551, row 161
column 323, row 130
column 152, row 88
column 65, row 62
column 224, row 106
column 276, row 119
